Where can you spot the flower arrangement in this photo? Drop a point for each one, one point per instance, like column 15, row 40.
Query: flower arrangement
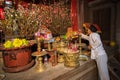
column 28, row 18
column 60, row 16
column 23, row 22
column 15, row 43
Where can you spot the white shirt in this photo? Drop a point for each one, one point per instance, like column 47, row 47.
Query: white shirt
column 96, row 44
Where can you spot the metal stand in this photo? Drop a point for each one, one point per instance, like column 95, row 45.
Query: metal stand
column 80, row 46
column 40, row 67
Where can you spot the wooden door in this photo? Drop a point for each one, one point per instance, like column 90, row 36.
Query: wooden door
column 103, row 18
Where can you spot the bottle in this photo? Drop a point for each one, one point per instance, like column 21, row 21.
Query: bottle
column 45, row 60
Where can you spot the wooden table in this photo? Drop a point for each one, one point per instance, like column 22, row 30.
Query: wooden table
column 86, row 71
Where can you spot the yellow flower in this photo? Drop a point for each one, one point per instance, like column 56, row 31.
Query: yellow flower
column 8, row 44
column 24, row 42
column 17, row 42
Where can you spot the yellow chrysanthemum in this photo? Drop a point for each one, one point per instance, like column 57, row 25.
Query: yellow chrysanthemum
column 24, row 42
column 17, row 42
column 8, row 44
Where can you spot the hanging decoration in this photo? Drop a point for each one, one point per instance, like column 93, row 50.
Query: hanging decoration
column 74, row 16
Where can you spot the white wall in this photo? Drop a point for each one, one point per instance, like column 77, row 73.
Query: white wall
column 118, row 25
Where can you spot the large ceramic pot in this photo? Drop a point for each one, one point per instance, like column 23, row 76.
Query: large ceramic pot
column 17, row 59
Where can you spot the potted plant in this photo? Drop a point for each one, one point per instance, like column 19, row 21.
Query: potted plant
column 17, row 55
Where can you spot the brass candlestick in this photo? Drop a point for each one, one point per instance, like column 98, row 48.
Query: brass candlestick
column 40, row 67
column 38, row 45
column 49, row 46
column 80, row 46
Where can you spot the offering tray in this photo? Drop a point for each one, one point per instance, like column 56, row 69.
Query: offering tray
column 37, row 53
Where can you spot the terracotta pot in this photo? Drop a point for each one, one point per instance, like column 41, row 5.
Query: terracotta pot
column 17, row 59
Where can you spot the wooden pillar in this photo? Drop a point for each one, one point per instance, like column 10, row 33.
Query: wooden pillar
column 80, row 13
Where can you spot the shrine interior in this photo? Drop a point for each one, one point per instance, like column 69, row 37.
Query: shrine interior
column 43, row 31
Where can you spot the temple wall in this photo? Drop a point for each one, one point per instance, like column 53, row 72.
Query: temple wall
column 118, row 25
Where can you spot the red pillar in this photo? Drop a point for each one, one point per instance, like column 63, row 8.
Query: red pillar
column 1, row 14
column 74, row 16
